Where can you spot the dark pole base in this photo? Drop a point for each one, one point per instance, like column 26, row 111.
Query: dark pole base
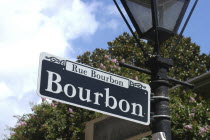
column 159, row 85
column 162, row 120
column 162, row 125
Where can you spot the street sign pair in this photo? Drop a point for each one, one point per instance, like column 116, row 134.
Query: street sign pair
column 93, row 89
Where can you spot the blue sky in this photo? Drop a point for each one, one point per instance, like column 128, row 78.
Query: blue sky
column 65, row 28
column 197, row 29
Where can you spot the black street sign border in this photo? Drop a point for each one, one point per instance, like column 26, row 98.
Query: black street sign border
column 62, row 61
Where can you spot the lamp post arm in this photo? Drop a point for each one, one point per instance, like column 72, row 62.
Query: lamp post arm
column 183, row 28
column 146, row 56
column 135, row 68
column 191, row 86
column 149, row 73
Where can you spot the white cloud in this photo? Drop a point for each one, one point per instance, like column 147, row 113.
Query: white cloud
column 6, row 92
column 112, row 24
column 29, row 27
column 112, row 10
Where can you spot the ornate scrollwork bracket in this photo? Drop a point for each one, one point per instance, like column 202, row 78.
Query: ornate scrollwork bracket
column 137, row 85
column 56, row 60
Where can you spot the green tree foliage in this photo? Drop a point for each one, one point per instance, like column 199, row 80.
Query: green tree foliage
column 52, row 121
column 190, row 112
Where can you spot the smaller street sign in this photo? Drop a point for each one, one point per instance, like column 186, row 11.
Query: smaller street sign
column 90, row 88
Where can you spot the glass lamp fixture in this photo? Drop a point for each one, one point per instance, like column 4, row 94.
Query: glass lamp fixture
column 167, row 13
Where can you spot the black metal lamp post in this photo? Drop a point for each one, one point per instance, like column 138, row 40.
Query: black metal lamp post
column 157, row 21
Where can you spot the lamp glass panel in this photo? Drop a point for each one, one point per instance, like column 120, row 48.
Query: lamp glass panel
column 141, row 11
column 168, row 13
